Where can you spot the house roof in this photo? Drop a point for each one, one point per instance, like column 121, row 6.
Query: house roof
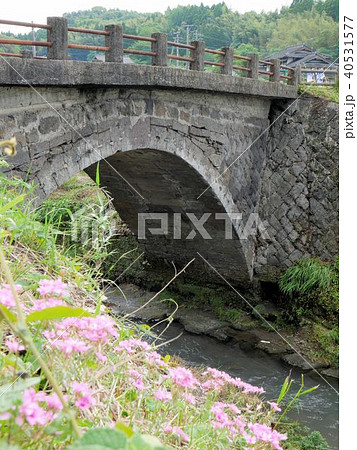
column 301, row 54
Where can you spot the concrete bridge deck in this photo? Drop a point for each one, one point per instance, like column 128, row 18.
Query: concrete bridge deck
column 25, row 72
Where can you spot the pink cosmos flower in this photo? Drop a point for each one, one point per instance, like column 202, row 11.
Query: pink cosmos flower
column 183, row 377
column 163, row 395
column 56, row 287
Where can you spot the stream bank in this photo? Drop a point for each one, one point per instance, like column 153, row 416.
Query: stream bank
column 234, row 326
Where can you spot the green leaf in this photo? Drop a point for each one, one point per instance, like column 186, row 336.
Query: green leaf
column 20, row 385
column 309, row 390
column 11, row 393
column 145, row 442
column 57, row 312
column 5, row 446
column 7, row 313
column 101, row 439
column 124, row 428
column 13, row 202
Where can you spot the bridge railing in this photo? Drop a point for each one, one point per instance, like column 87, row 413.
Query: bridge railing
column 161, row 51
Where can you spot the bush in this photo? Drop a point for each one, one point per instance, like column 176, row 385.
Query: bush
column 311, row 288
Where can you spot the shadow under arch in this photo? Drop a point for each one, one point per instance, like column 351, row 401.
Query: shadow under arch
column 170, row 185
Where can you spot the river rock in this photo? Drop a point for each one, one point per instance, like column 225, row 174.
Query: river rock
column 133, row 301
column 305, row 364
column 333, row 373
column 202, row 322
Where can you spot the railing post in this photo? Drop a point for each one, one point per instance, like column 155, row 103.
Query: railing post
column 58, row 36
column 27, row 54
column 276, row 71
column 198, row 55
column 115, row 43
column 227, row 60
column 296, row 76
column 253, row 65
column 160, row 48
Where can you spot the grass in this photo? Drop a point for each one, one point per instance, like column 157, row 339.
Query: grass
column 330, row 93
column 113, row 389
column 311, row 289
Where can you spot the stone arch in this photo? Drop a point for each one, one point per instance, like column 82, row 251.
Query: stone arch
column 153, row 182
column 206, row 131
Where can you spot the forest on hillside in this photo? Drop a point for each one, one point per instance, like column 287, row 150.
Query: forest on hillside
column 314, row 22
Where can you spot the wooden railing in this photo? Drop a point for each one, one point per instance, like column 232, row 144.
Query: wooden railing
column 59, row 33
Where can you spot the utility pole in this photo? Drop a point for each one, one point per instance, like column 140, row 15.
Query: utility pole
column 33, row 38
column 188, row 29
column 177, row 35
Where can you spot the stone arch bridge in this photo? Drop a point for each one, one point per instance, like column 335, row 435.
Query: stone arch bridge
column 176, row 142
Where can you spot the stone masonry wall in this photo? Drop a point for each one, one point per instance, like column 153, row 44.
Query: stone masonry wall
column 298, row 198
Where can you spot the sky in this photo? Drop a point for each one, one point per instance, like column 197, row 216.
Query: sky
column 38, row 10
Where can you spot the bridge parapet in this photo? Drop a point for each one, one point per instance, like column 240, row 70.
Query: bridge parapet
column 161, row 51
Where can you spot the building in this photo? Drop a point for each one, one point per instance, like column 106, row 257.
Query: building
column 315, row 67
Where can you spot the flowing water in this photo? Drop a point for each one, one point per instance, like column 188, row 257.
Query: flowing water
column 318, row 410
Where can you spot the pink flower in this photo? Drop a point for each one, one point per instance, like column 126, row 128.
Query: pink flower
column 136, row 379
column 101, row 357
column 163, row 395
column 155, row 359
column 274, row 406
column 5, row 416
column 183, row 377
column 95, row 329
column 132, row 345
column 85, row 402
column 53, row 402
column 30, row 410
column 6, row 297
column 190, row 398
column 53, row 287
column 80, row 388
column 247, row 388
column 264, row 433
column 84, row 398
column 14, row 346
column 178, row 431
column 71, row 345
column 43, row 304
